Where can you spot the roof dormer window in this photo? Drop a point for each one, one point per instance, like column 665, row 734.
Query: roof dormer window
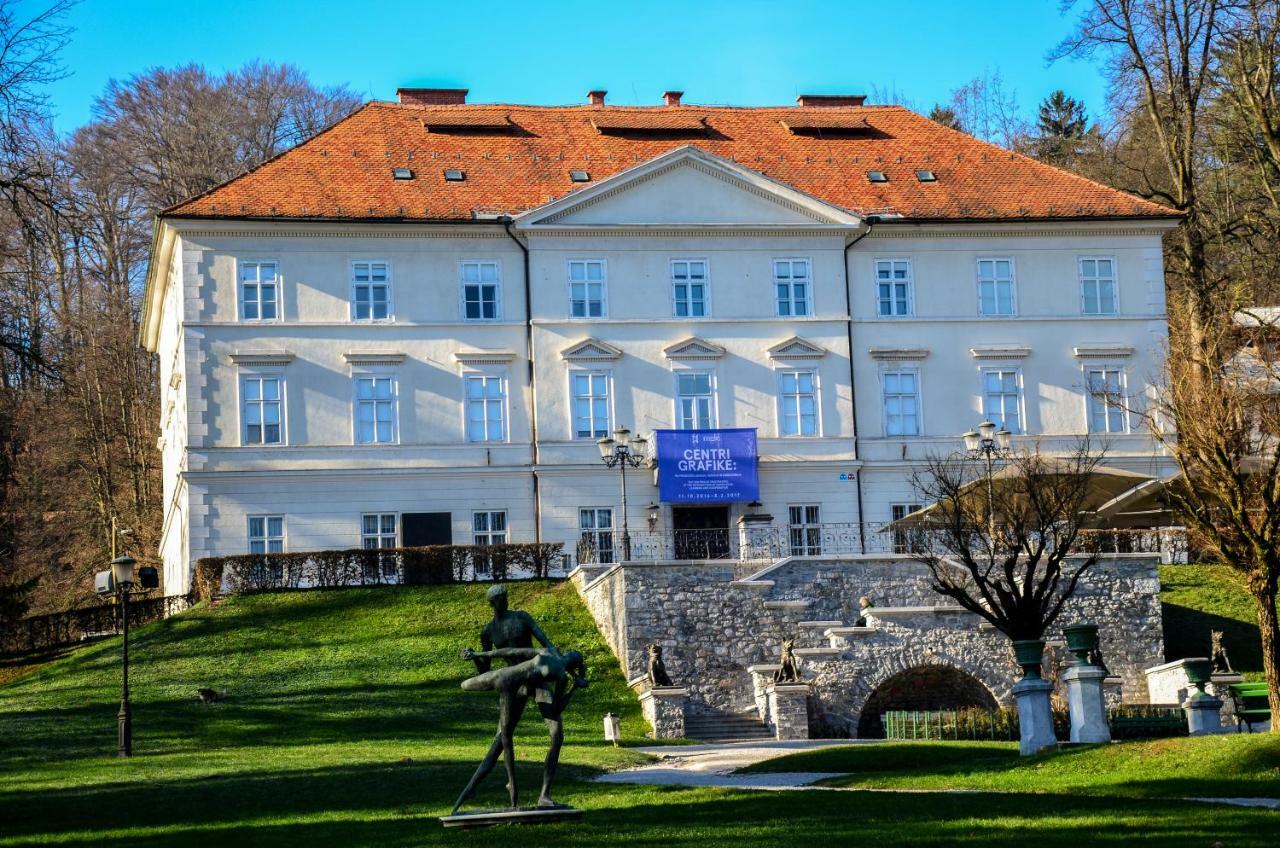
column 453, row 175
column 926, row 176
column 402, row 173
column 877, row 177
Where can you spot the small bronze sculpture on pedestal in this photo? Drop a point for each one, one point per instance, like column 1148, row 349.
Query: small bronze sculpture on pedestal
column 657, row 668
column 1218, row 654
column 789, row 670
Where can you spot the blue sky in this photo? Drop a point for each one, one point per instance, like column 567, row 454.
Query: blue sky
column 743, row 52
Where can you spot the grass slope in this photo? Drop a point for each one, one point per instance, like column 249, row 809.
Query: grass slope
column 1200, row 598
column 343, row 725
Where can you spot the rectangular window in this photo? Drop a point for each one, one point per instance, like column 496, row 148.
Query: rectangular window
column 1106, row 400
column 486, row 408
column 804, row 526
column 480, row 291
column 259, row 291
column 798, row 397
column 378, row 530
column 1097, row 286
column 893, row 287
column 590, row 404
column 370, row 291
column 586, row 288
column 1001, row 399
column 375, row 410
column 901, row 403
column 905, row 541
column 595, row 543
column 266, row 534
column 791, row 281
column 487, row 528
column 689, row 288
column 261, row 410
column 694, row 401
column 995, row 287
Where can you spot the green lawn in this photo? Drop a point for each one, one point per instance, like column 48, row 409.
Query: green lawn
column 1224, row 766
column 1200, row 598
column 343, row 725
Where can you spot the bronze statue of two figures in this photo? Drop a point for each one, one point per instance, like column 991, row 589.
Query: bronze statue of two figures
column 546, row 674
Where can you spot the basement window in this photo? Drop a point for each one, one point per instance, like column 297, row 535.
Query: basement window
column 453, row 175
column 402, row 173
column 926, row 176
column 580, row 176
column 877, row 177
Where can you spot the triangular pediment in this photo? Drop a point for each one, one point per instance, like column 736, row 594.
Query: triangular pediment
column 591, row 350
column 796, row 348
column 688, row 187
column 694, row 348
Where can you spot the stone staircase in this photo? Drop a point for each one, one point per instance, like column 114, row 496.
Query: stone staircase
column 726, row 727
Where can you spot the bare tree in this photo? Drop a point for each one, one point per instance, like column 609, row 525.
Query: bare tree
column 985, row 108
column 1007, row 544
column 1161, row 57
column 1222, row 426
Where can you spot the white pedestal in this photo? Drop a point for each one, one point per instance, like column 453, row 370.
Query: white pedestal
column 789, row 710
column 1086, row 703
column 1204, row 714
column 1035, row 717
column 663, row 707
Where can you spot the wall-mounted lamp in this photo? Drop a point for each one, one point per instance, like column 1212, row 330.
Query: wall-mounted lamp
column 655, row 512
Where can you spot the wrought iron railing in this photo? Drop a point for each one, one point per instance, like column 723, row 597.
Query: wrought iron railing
column 769, row 542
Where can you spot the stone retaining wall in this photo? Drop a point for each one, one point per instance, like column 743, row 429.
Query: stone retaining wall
column 713, row 625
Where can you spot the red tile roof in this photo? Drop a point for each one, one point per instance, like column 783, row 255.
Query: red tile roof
column 345, row 172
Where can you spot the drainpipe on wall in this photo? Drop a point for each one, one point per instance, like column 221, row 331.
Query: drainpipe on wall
column 853, row 391
column 533, row 392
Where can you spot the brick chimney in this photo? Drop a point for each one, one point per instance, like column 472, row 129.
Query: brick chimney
column 831, row 99
column 672, row 98
column 432, row 96
column 596, row 97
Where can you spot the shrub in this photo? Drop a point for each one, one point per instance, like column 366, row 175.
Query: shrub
column 370, row 566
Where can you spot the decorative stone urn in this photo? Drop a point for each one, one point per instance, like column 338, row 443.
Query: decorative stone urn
column 1029, row 654
column 1199, row 671
column 1082, row 640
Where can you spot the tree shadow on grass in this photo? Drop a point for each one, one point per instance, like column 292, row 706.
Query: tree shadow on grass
column 397, row 805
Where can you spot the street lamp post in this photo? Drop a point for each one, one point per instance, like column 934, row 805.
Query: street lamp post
column 621, row 451
column 122, row 575
column 122, row 581
column 990, row 444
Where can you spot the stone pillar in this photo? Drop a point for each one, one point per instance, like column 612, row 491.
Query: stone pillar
column 789, row 709
column 1086, row 704
column 756, row 537
column 1035, row 716
column 761, row 682
column 663, row 708
column 1204, row 714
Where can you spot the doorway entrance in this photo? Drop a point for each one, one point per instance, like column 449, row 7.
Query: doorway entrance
column 701, row 532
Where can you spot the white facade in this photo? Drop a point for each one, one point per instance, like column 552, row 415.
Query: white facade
column 667, row 269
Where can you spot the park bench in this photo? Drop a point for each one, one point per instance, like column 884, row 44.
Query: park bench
column 1251, row 705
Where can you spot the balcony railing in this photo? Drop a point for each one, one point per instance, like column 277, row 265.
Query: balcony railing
column 756, row 542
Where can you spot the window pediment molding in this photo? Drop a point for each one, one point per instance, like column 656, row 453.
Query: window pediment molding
column 796, row 348
column 484, row 357
column 1103, row 351
column 591, row 350
column 374, row 357
column 898, row 354
column 1000, row 351
column 262, row 357
column 693, row 348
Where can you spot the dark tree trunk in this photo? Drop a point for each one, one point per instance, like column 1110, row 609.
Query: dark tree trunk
column 1264, row 597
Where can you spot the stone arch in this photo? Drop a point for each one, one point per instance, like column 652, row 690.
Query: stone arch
column 983, row 680
column 923, row 687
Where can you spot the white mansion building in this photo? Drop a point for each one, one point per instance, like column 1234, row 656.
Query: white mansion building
column 413, row 328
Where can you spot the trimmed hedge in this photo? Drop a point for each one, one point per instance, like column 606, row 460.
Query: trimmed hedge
column 245, row 573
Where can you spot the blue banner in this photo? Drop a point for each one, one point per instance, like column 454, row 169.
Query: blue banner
column 707, row 466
